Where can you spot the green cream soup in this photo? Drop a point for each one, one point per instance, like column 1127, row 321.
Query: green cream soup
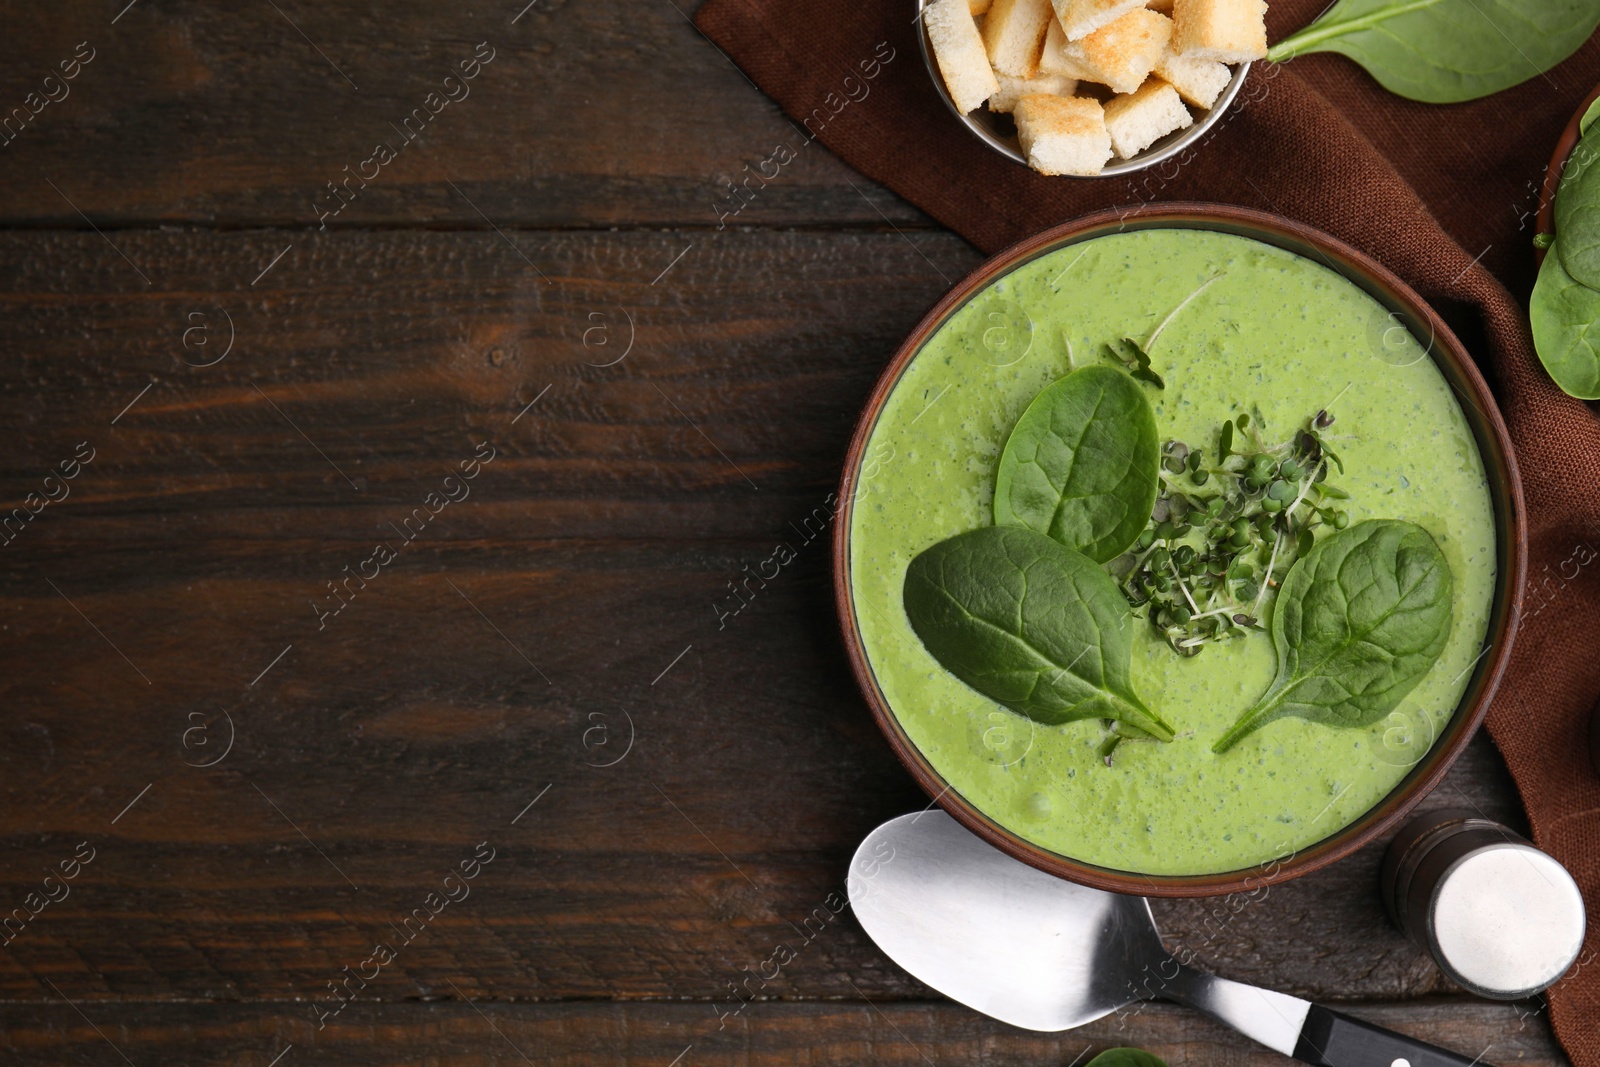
column 1246, row 327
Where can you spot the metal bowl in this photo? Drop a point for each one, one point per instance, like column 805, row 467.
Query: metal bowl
column 1407, row 310
column 1000, row 133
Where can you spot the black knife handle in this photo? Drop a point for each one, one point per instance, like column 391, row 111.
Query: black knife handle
column 1329, row 1039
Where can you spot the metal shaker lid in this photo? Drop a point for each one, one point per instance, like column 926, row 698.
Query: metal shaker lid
column 1498, row 916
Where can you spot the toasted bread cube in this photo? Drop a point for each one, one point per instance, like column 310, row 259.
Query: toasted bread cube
column 1124, row 53
column 958, row 49
column 1139, row 119
column 1227, row 31
column 1013, row 31
column 1063, row 57
column 1080, row 18
column 1199, row 81
column 1163, row 6
column 1014, row 89
column 1063, row 134
column 978, row 7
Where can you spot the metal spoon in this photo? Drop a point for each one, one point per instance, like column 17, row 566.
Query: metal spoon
column 1041, row 953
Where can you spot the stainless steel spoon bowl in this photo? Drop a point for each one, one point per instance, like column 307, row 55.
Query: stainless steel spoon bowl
column 1042, row 953
column 998, row 133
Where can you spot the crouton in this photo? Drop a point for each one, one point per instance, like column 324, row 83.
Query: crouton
column 1227, row 31
column 1063, row 134
column 958, row 48
column 1079, row 18
column 1163, row 6
column 1013, row 32
column 1061, row 56
column 978, row 7
column 1199, row 81
column 1014, row 89
column 1124, row 53
column 1137, row 120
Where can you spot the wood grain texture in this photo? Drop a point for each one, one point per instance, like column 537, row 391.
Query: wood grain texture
column 508, row 643
column 589, row 115
column 605, row 1035
column 390, row 348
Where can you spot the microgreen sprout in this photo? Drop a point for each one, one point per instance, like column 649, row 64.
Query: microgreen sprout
column 1228, row 524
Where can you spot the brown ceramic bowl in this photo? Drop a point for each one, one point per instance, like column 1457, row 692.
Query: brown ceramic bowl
column 1494, row 445
column 1552, row 174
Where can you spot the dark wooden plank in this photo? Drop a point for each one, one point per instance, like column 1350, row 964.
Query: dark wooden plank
column 664, row 356
column 573, row 590
column 605, row 1035
column 588, row 115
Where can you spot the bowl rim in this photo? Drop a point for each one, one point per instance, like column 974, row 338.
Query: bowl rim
column 1545, row 221
column 1165, row 147
column 1494, row 447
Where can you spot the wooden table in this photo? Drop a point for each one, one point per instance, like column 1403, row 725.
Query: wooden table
column 280, row 667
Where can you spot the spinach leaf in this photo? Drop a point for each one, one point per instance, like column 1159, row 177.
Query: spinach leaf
column 1361, row 618
column 1565, row 315
column 1447, row 51
column 1589, row 116
column 1577, row 214
column 1126, row 1057
column 1028, row 623
column 1081, row 465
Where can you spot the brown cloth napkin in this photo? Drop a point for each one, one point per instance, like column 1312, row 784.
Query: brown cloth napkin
column 1444, row 196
